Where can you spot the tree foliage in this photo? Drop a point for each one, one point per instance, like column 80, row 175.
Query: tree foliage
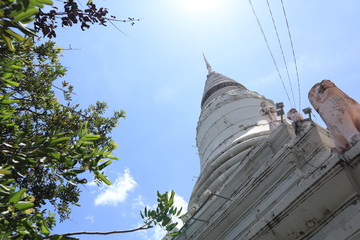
column 46, row 146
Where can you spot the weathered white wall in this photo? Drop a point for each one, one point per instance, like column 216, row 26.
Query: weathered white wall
column 229, row 124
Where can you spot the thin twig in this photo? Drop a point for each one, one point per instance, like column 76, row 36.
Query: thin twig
column 144, row 227
column 110, row 21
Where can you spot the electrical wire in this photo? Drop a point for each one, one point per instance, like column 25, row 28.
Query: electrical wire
column 282, row 51
column 293, row 52
column 268, row 46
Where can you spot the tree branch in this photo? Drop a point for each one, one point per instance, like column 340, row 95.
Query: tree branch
column 144, row 227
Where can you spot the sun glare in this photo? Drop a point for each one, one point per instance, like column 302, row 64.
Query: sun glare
column 199, row 6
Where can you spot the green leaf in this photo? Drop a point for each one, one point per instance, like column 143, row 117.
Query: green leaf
column 7, row 75
column 37, row 3
column 23, row 205
column 165, row 221
column 85, row 143
column 59, row 140
column 16, row 197
column 8, row 42
column 83, row 129
column 54, row 154
column 103, row 178
column 146, row 212
column 48, row 2
column 23, row 28
column 77, row 171
column 4, row 188
column 102, row 166
column 171, row 199
column 112, row 157
column 9, row 101
column 14, row 34
column 8, row 181
column 28, row 20
column 16, row 67
column 3, row 171
column 174, row 234
column 24, row 15
column 178, row 213
column 89, row 2
column 90, row 137
column 151, row 213
column 171, row 227
column 172, row 210
column 40, row 140
column 44, row 229
column 11, row 83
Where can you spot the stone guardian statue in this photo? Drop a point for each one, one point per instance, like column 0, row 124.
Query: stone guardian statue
column 270, row 114
column 340, row 113
column 298, row 121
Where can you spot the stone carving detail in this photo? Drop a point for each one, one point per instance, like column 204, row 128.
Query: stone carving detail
column 298, row 121
column 270, row 114
column 340, row 113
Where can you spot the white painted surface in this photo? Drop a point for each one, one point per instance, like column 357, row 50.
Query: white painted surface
column 229, row 124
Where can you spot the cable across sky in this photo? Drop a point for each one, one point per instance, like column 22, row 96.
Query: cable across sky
column 292, row 102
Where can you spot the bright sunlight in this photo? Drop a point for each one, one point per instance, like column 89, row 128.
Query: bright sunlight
column 198, row 6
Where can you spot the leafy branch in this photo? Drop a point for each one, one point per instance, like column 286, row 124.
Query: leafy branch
column 15, row 14
column 163, row 215
column 72, row 14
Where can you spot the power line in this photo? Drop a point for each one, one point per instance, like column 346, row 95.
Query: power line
column 282, row 51
column 293, row 52
column 268, row 46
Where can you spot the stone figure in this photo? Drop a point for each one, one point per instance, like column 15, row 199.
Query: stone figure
column 340, row 113
column 270, row 114
column 298, row 121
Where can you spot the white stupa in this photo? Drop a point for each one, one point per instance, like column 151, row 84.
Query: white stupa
column 256, row 185
column 229, row 124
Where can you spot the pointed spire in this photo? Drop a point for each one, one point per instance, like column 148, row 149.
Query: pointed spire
column 210, row 70
column 216, row 81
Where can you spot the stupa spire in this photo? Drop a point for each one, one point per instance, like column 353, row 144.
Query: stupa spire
column 208, row 66
column 215, row 82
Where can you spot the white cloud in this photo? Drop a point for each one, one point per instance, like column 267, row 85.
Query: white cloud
column 158, row 233
column 118, row 191
column 90, row 218
column 179, row 202
column 91, row 184
column 155, row 233
column 138, row 203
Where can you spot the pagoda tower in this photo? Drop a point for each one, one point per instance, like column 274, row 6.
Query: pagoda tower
column 257, row 184
column 229, row 124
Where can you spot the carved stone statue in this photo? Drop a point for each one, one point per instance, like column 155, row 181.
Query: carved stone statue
column 340, row 113
column 299, row 123
column 270, row 114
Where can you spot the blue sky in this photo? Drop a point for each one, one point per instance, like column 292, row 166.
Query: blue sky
column 156, row 73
